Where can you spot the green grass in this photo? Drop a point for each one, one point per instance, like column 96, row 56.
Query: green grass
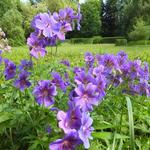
column 112, row 125
column 76, row 51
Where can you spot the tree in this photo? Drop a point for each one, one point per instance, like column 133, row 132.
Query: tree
column 5, row 5
column 140, row 31
column 54, row 5
column 12, row 25
column 109, row 18
column 28, row 11
column 132, row 10
column 91, row 21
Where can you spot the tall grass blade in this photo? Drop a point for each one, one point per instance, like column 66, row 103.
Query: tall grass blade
column 131, row 123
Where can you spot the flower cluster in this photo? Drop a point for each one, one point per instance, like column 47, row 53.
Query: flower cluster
column 11, row 70
column 91, row 83
column 48, row 28
column 133, row 75
column 89, row 87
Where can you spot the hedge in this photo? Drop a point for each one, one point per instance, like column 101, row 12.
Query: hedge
column 81, row 40
column 110, row 39
column 121, row 42
column 97, row 39
column 140, row 42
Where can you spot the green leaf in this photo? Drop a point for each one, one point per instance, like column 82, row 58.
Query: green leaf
column 108, row 135
column 5, row 119
column 131, row 123
column 5, row 116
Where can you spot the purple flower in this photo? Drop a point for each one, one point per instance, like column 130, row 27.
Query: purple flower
column 22, row 81
column 122, row 54
column 72, row 95
column 1, row 59
column 125, row 69
column 25, row 65
column 64, row 15
column 52, row 41
column 83, row 78
column 97, row 71
column 44, row 93
column 69, row 142
column 67, row 81
column 77, row 70
column 89, row 59
column 86, row 129
column 10, row 69
column 70, row 121
column 61, row 29
column 122, row 58
column 144, row 72
column 134, row 68
column 87, row 96
column 33, row 22
column 46, row 24
column 98, row 57
column 116, row 80
column 58, row 81
column 36, row 46
column 48, row 129
column 100, row 82
column 65, row 62
column 109, row 62
column 79, row 17
column 141, row 88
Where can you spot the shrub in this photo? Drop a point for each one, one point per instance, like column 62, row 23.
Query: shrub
column 17, row 36
column 120, row 42
column 140, row 42
column 12, row 25
column 110, row 39
column 82, row 40
column 140, row 31
column 97, row 39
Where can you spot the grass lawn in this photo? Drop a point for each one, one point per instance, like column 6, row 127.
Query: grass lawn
column 110, row 118
column 76, row 51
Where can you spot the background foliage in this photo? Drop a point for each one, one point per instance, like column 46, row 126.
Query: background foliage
column 109, row 18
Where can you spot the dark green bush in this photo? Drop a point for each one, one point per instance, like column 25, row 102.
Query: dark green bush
column 140, row 42
column 97, row 39
column 110, row 39
column 82, row 40
column 120, row 42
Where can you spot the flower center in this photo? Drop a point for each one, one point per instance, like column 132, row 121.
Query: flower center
column 85, row 97
column 45, row 93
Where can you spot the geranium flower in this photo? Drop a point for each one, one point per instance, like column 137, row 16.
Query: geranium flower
column 86, row 129
column 69, row 142
column 44, row 93
column 87, row 96
column 22, row 81
column 36, row 46
column 10, row 69
column 25, row 65
column 58, row 81
column 71, row 120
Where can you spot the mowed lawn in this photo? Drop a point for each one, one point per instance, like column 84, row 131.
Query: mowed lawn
column 75, row 52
